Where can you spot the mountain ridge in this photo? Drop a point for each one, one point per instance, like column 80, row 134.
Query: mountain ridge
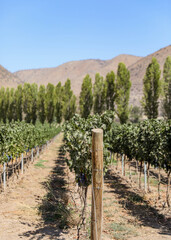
column 8, row 79
column 76, row 71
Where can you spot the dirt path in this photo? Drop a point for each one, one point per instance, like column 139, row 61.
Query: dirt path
column 37, row 206
column 19, row 218
column 128, row 215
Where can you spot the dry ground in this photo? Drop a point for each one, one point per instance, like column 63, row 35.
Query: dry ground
column 45, row 200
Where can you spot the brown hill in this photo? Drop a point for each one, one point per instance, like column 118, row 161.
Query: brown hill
column 75, row 71
column 7, row 79
column 138, row 69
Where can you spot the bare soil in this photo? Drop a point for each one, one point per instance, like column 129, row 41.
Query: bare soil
column 44, row 203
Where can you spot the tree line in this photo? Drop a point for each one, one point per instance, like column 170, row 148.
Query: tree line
column 111, row 93
column 30, row 103
column 55, row 103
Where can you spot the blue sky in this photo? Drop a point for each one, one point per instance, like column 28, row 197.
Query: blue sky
column 47, row 33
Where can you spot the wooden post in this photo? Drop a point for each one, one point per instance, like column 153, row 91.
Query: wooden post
column 97, row 184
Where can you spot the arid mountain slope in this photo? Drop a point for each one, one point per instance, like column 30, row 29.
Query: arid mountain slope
column 75, row 71
column 7, row 79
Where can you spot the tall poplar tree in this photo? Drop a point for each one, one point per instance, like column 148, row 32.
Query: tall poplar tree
column 18, row 97
column 58, row 102
column 86, row 97
column 12, row 105
column 99, row 94
column 69, row 101
column 2, row 105
column 151, row 89
column 34, row 93
column 110, row 91
column 123, row 85
column 49, row 102
column 6, row 104
column 27, row 102
column 167, row 88
column 41, row 104
column 70, row 108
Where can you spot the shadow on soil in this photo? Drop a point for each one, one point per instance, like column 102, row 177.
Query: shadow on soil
column 53, row 208
column 153, row 173
column 137, row 206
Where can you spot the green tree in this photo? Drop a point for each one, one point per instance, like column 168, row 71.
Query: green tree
column 2, row 105
column 99, row 94
column 49, row 102
column 12, row 106
column 27, row 102
column 30, row 102
column 69, row 101
column 58, row 102
column 151, row 89
column 86, row 97
column 41, row 104
column 67, row 92
column 123, row 85
column 18, row 98
column 6, row 104
column 167, row 88
column 34, row 93
column 70, row 108
column 110, row 91
column 135, row 114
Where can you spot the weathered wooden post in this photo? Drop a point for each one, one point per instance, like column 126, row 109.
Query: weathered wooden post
column 97, row 184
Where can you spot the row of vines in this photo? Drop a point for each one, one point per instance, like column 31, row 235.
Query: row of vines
column 77, row 151
column 20, row 137
column 148, row 141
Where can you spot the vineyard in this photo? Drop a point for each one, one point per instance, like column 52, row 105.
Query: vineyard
column 143, row 146
column 147, row 142
column 132, row 152
column 20, row 142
